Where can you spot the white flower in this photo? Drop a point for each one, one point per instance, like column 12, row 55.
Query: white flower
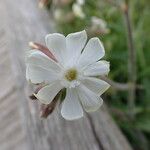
column 98, row 22
column 75, row 71
column 58, row 14
column 77, row 10
column 81, row 2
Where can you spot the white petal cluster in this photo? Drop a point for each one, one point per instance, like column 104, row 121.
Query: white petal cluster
column 76, row 70
column 81, row 2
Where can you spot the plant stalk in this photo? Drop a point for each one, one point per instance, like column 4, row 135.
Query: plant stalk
column 131, row 62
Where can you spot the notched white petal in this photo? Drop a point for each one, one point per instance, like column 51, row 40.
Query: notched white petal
column 71, row 107
column 47, row 93
column 36, row 75
column 92, row 52
column 39, row 59
column 90, row 101
column 98, row 86
column 57, row 45
column 75, row 43
column 98, row 68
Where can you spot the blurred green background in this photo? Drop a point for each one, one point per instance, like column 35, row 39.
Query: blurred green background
column 106, row 19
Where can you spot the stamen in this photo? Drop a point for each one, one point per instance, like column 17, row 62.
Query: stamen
column 71, row 74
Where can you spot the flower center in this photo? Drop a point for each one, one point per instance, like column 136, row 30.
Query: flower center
column 71, row 74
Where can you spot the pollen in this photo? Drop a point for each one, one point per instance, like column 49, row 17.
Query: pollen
column 71, row 74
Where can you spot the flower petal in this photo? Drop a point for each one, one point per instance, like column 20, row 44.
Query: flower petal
column 47, row 93
column 36, row 75
column 90, row 101
column 57, row 45
column 96, row 85
column 38, row 58
column 75, row 43
column 97, row 68
column 71, row 107
column 92, row 52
